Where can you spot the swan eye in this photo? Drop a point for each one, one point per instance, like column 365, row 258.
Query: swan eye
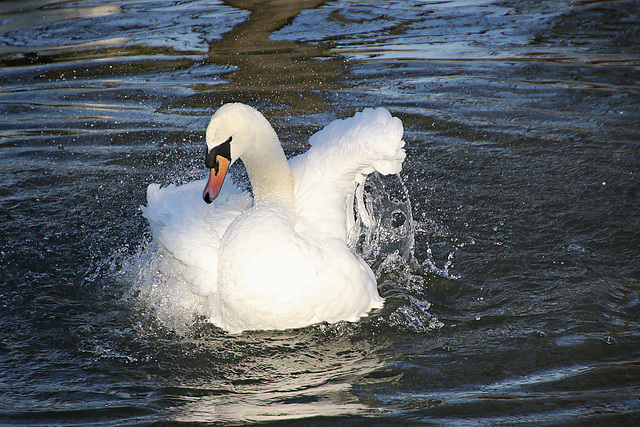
column 223, row 150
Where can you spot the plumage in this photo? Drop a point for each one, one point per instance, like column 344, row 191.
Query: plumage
column 280, row 259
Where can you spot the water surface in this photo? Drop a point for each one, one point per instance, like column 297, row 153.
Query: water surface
column 515, row 300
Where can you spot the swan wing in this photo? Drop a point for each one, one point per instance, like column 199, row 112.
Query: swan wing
column 190, row 230
column 369, row 141
column 341, row 156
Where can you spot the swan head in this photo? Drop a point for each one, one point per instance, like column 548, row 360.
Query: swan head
column 232, row 130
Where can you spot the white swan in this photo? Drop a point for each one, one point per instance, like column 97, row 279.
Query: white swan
column 280, row 261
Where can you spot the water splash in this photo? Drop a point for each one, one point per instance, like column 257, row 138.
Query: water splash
column 384, row 221
column 429, row 265
column 158, row 289
column 384, row 235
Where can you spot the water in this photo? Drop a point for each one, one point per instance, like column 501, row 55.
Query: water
column 516, row 299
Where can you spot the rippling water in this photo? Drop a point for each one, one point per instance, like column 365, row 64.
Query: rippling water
column 516, row 298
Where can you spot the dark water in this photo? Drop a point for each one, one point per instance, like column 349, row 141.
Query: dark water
column 521, row 303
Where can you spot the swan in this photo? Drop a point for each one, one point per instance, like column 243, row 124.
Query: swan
column 278, row 259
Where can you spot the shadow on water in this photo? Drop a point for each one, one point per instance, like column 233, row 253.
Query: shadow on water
column 288, row 73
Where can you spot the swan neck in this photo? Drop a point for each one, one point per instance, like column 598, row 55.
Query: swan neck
column 269, row 172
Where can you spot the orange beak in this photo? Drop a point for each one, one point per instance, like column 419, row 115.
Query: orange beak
column 216, row 178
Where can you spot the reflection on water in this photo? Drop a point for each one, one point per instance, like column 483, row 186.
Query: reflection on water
column 34, row 14
column 512, row 298
column 290, row 376
column 281, row 71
